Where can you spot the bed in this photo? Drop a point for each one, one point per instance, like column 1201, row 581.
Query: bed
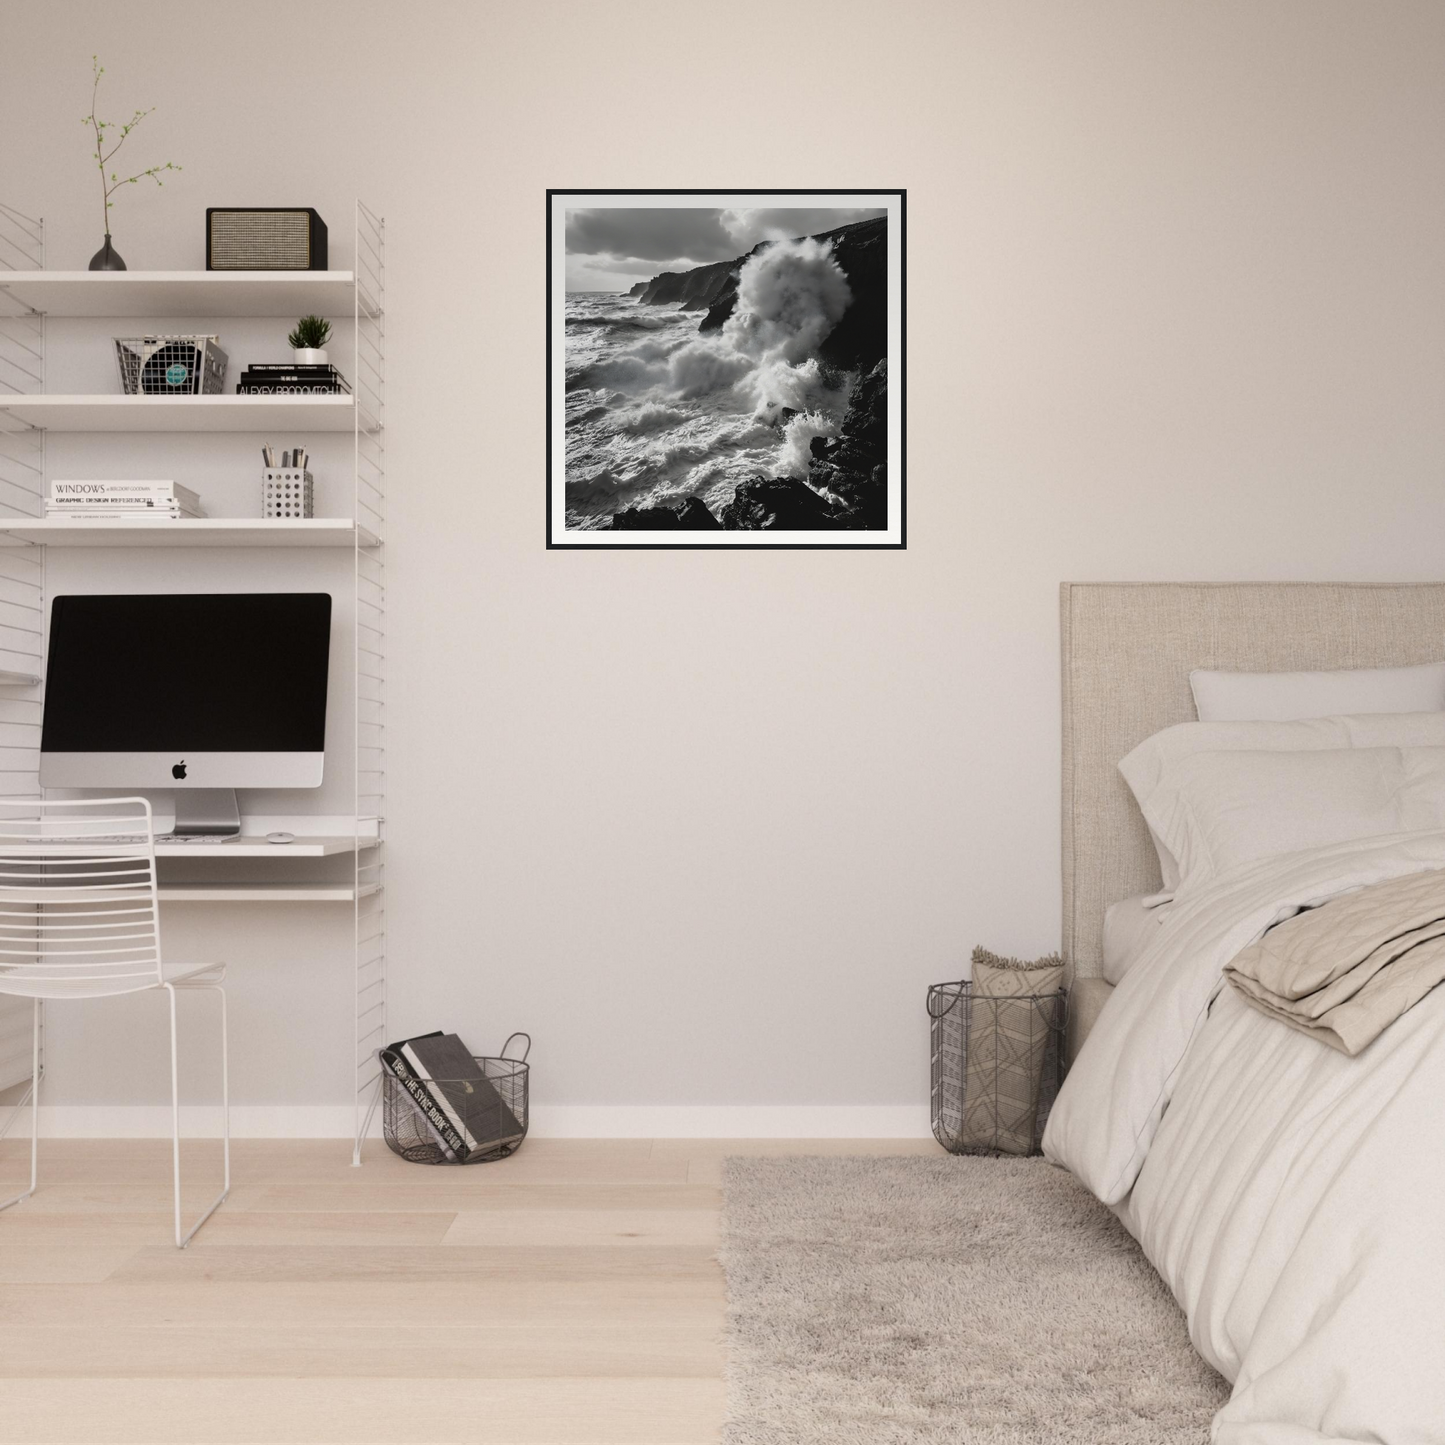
column 1292, row 1198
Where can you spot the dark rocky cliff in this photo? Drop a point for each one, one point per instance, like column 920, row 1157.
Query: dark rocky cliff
column 860, row 340
column 688, row 515
column 693, row 290
column 852, row 469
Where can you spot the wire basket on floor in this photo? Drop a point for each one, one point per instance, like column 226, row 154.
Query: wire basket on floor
column 408, row 1133
column 997, row 1066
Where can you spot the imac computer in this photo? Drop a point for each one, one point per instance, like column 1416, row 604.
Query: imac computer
column 199, row 693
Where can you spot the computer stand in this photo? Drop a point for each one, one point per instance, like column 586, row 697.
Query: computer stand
column 207, row 813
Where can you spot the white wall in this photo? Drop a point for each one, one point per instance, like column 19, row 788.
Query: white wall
column 707, row 823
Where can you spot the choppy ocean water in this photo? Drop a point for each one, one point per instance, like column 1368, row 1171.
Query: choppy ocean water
column 656, row 410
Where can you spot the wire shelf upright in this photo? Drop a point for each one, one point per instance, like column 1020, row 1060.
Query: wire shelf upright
column 22, row 578
column 369, row 375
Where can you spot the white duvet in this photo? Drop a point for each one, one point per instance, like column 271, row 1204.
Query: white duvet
column 1293, row 1198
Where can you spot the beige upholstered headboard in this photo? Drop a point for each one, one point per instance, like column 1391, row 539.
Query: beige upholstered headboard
column 1127, row 650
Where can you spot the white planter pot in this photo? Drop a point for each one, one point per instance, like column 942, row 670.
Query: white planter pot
column 309, row 356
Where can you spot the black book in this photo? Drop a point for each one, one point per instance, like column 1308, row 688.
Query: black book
column 277, row 387
column 310, row 368
column 394, row 1061
column 470, row 1101
column 311, row 373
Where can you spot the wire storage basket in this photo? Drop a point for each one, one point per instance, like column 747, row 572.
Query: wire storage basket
column 171, row 365
column 492, row 1128
column 997, row 1064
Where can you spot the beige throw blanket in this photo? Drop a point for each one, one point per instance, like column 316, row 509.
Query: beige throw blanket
column 1346, row 971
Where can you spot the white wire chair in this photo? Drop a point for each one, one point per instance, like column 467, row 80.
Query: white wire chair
column 79, row 918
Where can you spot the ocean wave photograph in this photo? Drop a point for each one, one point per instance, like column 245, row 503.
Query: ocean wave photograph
column 721, row 374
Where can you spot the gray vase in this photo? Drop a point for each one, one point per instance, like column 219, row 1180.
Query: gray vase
column 107, row 258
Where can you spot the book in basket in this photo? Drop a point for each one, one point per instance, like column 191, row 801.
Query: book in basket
column 461, row 1106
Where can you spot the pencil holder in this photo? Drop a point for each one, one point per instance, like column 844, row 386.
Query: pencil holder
column 286, row 492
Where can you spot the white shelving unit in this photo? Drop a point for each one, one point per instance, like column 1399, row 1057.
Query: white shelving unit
column 29, row 294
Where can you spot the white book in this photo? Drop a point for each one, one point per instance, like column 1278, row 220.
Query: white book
column 73, row 514
column 99, row 491
column 119, row 499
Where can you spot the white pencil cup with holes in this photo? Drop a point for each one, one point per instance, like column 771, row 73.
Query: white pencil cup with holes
column 286, row 492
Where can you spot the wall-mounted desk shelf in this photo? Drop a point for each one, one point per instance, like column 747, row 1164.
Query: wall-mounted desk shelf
column 285, row 294
column 101, row 412
column 186, row 532
column 246, row 847
column 262, row 892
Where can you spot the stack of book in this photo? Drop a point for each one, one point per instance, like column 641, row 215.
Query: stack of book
column 459, row 1105
column 90, row 500
column 288, row 379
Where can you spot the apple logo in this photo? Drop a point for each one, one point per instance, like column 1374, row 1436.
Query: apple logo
column 179, row 771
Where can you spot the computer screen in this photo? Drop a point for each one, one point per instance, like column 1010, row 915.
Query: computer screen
column 206, row 690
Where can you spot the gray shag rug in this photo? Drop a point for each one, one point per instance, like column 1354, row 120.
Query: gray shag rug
column 973, row 1301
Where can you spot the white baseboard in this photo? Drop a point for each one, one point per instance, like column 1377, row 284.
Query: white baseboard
column 549, row 1121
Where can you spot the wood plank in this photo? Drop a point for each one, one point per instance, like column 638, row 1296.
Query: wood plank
column 119, row 1161
column 362, row 1412
column 205, row 1263
column 226, row 1226
column 568, row 1228
column 58, row 1264
column 449, row 1198
column 483, row 1353
column 115, row 1304
column 154, row 1198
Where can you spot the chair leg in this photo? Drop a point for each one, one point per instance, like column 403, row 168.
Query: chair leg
column 183, row 1240
column 34, row 1093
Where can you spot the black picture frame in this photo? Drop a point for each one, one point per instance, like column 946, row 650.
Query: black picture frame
column 570, row 540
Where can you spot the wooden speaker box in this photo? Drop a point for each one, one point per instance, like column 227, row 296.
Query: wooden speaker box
column 265, row 238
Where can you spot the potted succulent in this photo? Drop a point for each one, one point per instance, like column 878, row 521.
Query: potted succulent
column 308, row 341
column 107, row 258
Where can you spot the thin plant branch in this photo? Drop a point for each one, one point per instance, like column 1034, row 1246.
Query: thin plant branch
column 110, row 182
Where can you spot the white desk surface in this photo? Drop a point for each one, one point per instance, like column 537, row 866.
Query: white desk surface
column 247, row 846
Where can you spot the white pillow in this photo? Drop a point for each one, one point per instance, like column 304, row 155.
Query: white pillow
column 1145, row 768
column 1217, row 811
column 1130, row 926
column 1283, row 696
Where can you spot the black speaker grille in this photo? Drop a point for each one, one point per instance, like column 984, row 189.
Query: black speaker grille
column 260, row 241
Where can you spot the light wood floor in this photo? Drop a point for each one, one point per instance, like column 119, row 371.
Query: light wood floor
column 566, row 1296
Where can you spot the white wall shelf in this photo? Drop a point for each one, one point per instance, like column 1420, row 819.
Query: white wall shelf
column 260, row 892
column 86, row 413
column 285, row 294
column 186, row 532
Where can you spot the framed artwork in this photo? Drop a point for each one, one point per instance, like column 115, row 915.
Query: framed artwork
column 725, row 369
